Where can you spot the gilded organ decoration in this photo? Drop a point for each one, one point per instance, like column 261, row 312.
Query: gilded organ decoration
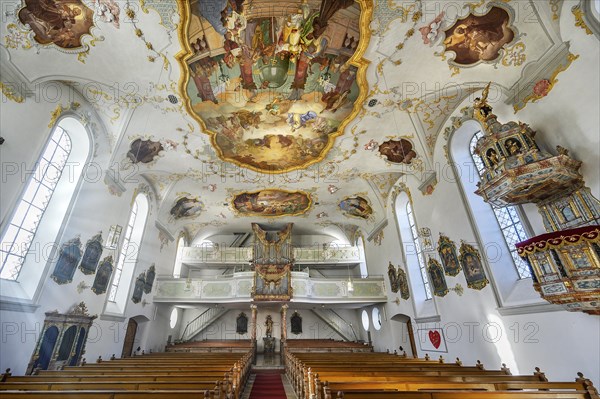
column 272, row 262
column 59, row 22
column 274, row 85
column 475, row 39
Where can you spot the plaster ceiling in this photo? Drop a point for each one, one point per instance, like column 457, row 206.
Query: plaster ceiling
column 136, row 54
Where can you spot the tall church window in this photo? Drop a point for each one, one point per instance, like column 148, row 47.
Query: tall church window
column 507, row 217
column 179, row 253
column 20, row 231
column 413, row 250
column 129, row 252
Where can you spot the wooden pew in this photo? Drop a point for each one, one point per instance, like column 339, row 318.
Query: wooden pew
column 383, row 376
column 175, row 375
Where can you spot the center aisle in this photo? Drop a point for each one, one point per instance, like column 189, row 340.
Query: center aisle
column 268, row 385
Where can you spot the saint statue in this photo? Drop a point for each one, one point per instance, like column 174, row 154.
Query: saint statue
column 269, row 325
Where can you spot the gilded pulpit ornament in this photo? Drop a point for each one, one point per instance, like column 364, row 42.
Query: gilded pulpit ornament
column 565, row 262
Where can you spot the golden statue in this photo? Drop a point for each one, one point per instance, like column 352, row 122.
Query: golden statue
column 269, row 325
column 481, row 107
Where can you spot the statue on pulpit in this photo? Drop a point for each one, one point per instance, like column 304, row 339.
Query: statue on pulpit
column 269, row 325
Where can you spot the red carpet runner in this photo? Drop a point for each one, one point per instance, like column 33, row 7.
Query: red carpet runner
column 267, row 385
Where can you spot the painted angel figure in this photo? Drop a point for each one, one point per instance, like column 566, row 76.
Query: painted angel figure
column 108, row 11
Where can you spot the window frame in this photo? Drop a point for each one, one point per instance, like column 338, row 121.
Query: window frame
column 115, row 305
column 36, row 182
column 23, row 294
column 520, row 225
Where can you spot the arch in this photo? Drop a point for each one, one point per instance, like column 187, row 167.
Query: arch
column 129, row 340
column 402, row 323
column 47, row 348
column 45, row 202
column 79, row 347
column 496, row 255
column 66, row 343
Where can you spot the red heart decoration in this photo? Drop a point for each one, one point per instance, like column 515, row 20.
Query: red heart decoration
column 435, row 338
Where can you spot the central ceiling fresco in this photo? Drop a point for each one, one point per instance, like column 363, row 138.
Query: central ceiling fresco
column 274, row 84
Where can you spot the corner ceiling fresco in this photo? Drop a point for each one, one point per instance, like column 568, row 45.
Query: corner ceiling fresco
column 61, row 22
column 274, row 84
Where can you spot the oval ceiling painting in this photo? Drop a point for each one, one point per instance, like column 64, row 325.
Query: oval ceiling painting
column 274, row 83
column 60, row 22
column 272, row 203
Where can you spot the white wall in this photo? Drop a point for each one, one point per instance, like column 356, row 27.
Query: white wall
column 25, row 126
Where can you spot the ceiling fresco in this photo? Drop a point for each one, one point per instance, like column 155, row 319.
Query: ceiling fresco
column 306, row 111
column 274, row 86
column 479, row 38
column 271, row 203
column 61, row 22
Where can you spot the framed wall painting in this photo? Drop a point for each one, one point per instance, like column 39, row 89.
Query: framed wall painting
column 241, row 323
column 138, row 290
column 91, row 255
column 150, row 276
column 472, row 267
column 447, row 252
column 68, row 258
column 296, row 322
column 103, row 276
column 436, row 277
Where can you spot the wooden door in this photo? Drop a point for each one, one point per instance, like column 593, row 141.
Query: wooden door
column 129, row 338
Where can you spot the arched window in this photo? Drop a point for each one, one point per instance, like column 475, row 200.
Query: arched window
column 413, row 251
column 119, row 288
column 29, row 236
column 508, row 219
column 179, row 253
